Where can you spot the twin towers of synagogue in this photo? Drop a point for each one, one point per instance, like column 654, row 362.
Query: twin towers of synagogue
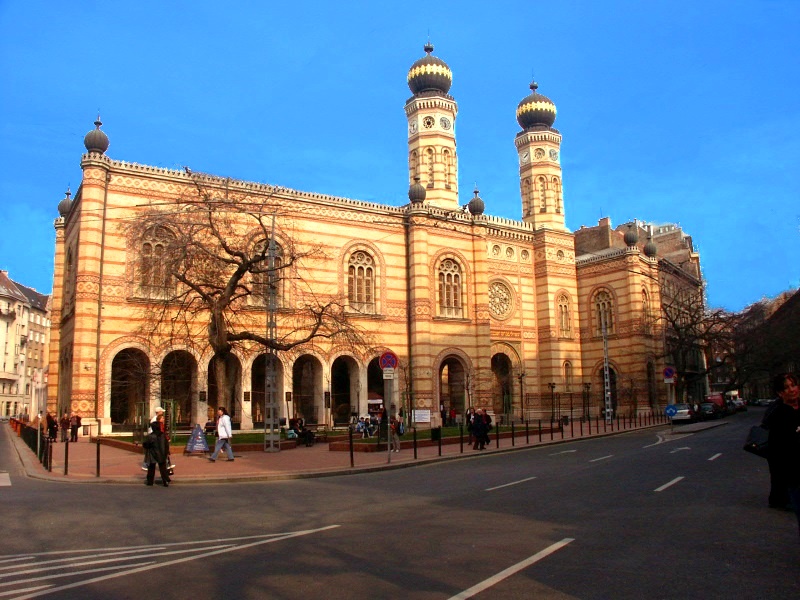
column 432, row 156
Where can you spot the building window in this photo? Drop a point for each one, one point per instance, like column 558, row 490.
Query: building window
column 604, row 312
column 429, row 163
column 448, row 169
column 646, row 317
column 361, row 282
column 501, row 300
column 564, row 321
column 155, row 280
column 542, row 194
column 262, row 277
column 557, row 194
column 450, row 289
column 568, row 376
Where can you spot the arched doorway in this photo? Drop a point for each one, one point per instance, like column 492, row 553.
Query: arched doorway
column 502, row 388
column 307, row 389
column 452, row 389
column 130, row 384
column 231, row 397
column 258, row 383
column 178, row 383
column 344, row 389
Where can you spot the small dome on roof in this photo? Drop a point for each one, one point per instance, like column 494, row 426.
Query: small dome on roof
column 476, row 206
column 632, row 235
column 65, row 205
column 650, row 249
column 417, row 192
column 536, row 109
column 96, row 140
column 429, row 74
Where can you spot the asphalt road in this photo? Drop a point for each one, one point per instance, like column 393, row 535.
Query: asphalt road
column 639, row 515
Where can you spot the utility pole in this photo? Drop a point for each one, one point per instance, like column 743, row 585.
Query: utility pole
column 271, row 419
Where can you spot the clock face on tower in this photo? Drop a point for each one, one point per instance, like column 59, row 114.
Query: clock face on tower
column 553, row 154
column 445, row 123
column 525, row 157
column 412, row 127
column 428, row 122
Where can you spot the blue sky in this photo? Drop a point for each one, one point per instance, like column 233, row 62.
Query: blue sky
column 683, row 112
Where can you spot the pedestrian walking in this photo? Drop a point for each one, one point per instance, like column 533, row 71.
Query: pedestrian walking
column 784, row 437
column 156, row 451
column 63, row 425
column 224, row 435
column 394, row 427
column 74, row 424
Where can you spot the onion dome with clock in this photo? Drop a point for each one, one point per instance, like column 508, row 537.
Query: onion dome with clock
column 476, row 206
column 536, row 110
column 96, row 140
column 416, row 193
column 429, row 74
column 65, row 205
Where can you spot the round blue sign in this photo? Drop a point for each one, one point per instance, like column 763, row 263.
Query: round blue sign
column 671, row 410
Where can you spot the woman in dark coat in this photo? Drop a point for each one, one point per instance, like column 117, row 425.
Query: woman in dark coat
column 52, row 427
column 155, row 453
column 479, row 430
column 783, row 423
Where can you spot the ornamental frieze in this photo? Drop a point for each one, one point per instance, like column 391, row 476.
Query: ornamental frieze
column 506, row 334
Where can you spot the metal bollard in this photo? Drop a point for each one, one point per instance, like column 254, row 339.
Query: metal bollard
column 66, row 457
column 415, row 442
column 98, row 458
column 461, row 438
column 512, row 433
column 352, row 458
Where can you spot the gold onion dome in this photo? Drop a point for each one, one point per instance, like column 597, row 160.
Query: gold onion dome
column 429, row 74
column 96, row 140
column 536, row 110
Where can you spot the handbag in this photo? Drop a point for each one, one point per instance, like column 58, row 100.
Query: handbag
column 757, row 441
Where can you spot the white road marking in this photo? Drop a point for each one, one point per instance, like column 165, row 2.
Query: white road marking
column 601, row 458
column 119, row 554
column 220, row 548
column 563, row 452
column 508, row 484
column 663, row 440
column 506, row 573
column 716, row 456
column 679, row 449
column 73, row 573
column 669, row 483
column 5, row 479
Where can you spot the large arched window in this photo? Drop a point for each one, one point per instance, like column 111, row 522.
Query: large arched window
column 604, row 312
column 155, row 280
column 264, row 279
column 450, row 282
column 527, row 196
column 564, row 321
column 361, row 282
column 413, row 166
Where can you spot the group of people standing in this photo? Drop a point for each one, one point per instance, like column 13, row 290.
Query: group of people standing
column 68, row 425
column 479, row 424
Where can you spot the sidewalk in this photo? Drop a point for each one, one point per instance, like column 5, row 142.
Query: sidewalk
column 124, row 467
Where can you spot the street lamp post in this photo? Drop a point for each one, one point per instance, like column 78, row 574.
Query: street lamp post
column 586, row 388
column 521, row 378
column 552, row 387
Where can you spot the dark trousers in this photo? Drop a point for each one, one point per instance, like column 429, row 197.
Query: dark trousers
column 73, row 433
column 778, row 492
column 151, row 472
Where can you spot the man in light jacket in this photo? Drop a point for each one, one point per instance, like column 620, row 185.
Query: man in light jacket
column 224, row 435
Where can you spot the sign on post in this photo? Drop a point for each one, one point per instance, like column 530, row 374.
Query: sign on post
column 669, row 375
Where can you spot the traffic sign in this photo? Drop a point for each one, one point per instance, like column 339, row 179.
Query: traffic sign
column 388, row 360
column 669, row 372
column 671, row 410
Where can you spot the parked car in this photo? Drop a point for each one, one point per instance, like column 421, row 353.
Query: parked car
column 764, row 401
column 740, row 405
column 685, row 413
column 709, row 410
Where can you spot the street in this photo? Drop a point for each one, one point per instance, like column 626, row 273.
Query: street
column 646, row 514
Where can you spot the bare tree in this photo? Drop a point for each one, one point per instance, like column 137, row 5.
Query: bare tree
column 206, row 270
